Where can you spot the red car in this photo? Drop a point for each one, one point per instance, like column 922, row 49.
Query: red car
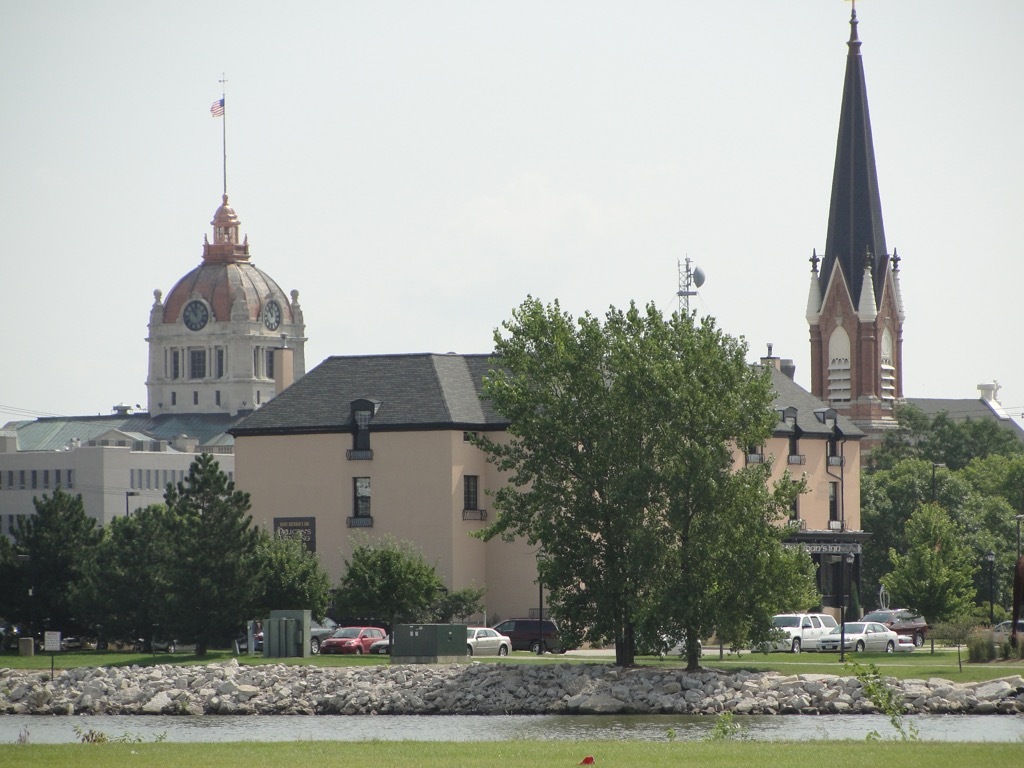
column 352, row 640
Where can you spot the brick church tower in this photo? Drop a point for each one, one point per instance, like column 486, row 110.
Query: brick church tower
column 854, row 308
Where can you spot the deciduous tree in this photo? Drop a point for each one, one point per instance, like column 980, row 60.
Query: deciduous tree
column 620, row 470
column 389, row 580
column 936, row 575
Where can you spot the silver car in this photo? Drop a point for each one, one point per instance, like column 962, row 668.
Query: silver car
column 860, row 636
column 484, row 641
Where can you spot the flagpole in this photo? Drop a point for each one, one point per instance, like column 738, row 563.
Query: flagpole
column 224, row 129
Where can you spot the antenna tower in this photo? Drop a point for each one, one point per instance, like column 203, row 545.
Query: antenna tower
column 690, row 278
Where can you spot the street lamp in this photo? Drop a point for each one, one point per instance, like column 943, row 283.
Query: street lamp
column 126, row 495
column 25, row 558
column 991, row 558
column 846, row 578
column 935, row 465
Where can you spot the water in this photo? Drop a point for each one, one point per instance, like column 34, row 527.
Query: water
column 217, row 728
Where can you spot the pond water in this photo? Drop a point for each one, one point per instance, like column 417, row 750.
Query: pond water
column 216, row 728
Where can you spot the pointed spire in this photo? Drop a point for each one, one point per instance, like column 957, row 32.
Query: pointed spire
column 866, row 309
column 814, row 292
column 855, row 213
column 897, row 290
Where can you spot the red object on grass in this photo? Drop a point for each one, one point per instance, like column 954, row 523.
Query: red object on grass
column 588, row 760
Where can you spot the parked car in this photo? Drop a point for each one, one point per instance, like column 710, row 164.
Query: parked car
column 670, row 647
column 904, row 644
column 381, row 646
column 484, row 641
column 801, row 631
column 10, row 634
column 1001, row 631
column 902, row 622
column 860, row 636
column 156, row 645
column 352, row 640
column 532, row 635
column 318, row 632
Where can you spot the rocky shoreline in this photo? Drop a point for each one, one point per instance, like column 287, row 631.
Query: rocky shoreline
column 474, row 688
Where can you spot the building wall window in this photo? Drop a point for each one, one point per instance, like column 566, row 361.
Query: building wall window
column 470, row 489
column 174, row 398
column 46, row 478
column 270, row 363
column 216, row 397
column 220, row 363
column 195, row 398
column 71, row 478
column 361, row 494
column 21, row 479
column 174, row 364
column 35, row 479
column 833, row 500
column 197, row 363
column 839, row 386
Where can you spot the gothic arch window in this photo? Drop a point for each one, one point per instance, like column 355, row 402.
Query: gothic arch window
column 839, row 367
column 888, row 369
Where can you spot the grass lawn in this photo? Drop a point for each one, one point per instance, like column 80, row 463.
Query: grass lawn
column 921, row 663
column 513, row 754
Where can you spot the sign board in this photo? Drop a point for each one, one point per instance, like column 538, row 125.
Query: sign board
column 299, row 528
column 813, row 548
column 51, row 641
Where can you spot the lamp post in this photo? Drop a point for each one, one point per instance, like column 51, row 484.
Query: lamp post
column 847, row 577
column 126, row 495
column 990, row 556
column 31, row 594
column 935, row 465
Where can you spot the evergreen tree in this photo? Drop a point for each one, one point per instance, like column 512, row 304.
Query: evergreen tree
column 213, row 576
column 55, row 545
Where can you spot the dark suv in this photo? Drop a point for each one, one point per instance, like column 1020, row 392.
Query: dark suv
column 528, row 634
column 902, row 622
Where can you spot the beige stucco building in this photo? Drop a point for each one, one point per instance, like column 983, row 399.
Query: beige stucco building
column 377, row 446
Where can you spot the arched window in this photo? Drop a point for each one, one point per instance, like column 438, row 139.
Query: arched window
column 888, row 369
column 839, row 367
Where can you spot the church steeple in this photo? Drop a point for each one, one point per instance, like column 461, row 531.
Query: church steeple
column 854, row 308
column 856, row 239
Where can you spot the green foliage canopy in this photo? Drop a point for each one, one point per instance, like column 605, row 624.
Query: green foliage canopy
column 935, row 576
column 389, row 580
column 620, row 469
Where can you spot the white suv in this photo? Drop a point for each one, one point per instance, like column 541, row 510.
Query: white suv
column 802, row 630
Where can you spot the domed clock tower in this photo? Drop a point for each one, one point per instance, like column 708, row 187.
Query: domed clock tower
column 215, row 339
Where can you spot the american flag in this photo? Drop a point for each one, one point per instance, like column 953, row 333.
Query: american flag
column 217, row 108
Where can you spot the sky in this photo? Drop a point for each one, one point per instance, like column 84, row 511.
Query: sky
column 416, row 170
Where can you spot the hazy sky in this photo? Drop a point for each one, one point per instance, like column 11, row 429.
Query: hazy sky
column 416, row 169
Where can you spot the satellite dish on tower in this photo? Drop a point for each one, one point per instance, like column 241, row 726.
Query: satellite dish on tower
column 698, row 277
column 689, row 278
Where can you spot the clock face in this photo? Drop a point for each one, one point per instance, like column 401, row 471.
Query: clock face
column 272, row 315
column 196, row 315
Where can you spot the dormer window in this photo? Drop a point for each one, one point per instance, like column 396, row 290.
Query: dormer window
column 362, row 414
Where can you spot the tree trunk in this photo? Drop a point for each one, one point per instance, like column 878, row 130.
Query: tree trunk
column 625, row 651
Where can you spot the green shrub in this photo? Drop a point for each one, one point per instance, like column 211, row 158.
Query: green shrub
column 980, row 646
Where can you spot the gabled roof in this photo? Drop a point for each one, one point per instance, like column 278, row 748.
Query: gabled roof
column 414, row 391
column 855, row 212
